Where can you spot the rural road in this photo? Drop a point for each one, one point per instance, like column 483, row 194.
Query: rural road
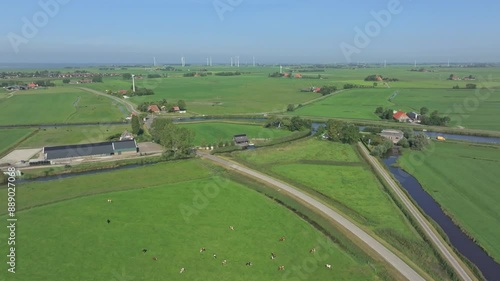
column 130, row 106
column 391, row 258
column 438, row 243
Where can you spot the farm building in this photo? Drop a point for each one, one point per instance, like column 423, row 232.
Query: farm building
column 401, row 116
column 90, row 149
column 126, row 136
column 176, row 109
column 413, row 116
column 394, row 135
column 241, row 140
column 153, row 108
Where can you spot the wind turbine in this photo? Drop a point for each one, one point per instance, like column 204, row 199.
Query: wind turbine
column 183, row 61
column 133, row 83
column 253, row 61
column 154, row 61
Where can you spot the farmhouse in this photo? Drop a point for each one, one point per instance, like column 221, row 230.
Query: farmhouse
column 90, row 149
column 394, row 135
column 153, row 108
column 400, row 116
column 176, row 109
column 241, row 140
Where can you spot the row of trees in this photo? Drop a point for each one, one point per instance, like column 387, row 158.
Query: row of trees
column 434, row 119
column 467, row 86
column 354, row 86
column 162, row 103
column 228, row 73
column 177, row 140
column 380, row 78
column 294, row 124
column 339, row 131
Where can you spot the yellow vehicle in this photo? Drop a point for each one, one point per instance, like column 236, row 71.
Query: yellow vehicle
column 440, row 138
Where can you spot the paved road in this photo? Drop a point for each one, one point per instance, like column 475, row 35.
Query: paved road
column 391, row 258
column 438, row 243
column 130, row 106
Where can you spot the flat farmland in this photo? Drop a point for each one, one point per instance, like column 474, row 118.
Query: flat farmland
column 463, row 179
column 153, row 232
column 73, row 135
column 467, row 108
column 212, row 132
column 9, row 137
column 219, row 95
column 334, row 173
column 57, row 105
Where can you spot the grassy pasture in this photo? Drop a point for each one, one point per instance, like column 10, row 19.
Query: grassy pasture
column 10, row 137
column 57, row 105
column 463, row 179
column 71, row 239
column 213, row 132
column 462, row 106
column 335, row 173
column 221, row 95
column 72, row 135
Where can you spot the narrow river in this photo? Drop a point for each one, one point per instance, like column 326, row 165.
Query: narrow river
column 467, row 247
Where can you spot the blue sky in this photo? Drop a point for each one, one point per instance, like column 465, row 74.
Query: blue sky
column 274, row 31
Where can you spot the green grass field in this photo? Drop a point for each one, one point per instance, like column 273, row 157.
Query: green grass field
column 57, row 105
column 214, row 132
column 73, row 135
column 463, row 106
column 65, row 236
column 463, row 179
column 11, row 136
column 334, row 173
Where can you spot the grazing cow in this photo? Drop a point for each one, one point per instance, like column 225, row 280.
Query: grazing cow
column 249, row 263
column 224, row 262
column 155, row 258
column 202, row 250
column 144, row 250
column 108, row 220
column 109, row 200
column 182, row 270
column 215, row 256
column 231, row 227
column 329, row 266
column 282, row 239
column 273, row 256
column 312, row 251
column 281, row 267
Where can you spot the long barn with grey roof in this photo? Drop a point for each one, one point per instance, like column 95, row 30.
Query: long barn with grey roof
column 90, row 149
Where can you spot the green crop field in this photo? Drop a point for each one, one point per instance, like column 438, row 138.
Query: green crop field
column 65, row 234
column 248, row 93
column 11, row 136
column 334, row 173
column 213, row 132
column 463, row 179
column 466, row 108
column 57, row 105
column 73, row 135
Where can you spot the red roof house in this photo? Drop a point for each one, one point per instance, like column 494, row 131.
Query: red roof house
column 175, row 108
column 32, row 85
column 153, row 108
column 401, row 116
column 298, row 75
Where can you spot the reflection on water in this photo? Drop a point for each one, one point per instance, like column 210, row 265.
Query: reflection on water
column 467, row 247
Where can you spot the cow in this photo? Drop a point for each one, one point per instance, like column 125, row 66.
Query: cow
column 224, row 262
column 144, row 250
column 329, row 266
column 182, row 270
column 312, row 251
column 281, row 267
column 282, row 239
column 231, row 227
column 249, row 263
column 108, row 220
column 273, row 256
column 155, row 258
column 202, row 250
